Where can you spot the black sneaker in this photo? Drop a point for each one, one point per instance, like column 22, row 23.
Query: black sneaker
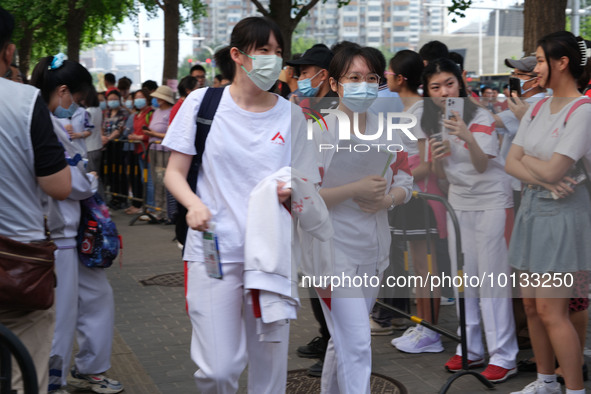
column 316, row 369
column 314, row 349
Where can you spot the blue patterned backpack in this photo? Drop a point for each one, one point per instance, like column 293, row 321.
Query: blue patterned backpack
column 98, row 240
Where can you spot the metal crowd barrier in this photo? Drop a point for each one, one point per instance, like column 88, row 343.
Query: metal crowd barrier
column 125, row 169
column 460, row 259
column 11, row 346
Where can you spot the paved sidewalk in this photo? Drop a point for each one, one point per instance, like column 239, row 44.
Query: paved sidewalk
column 153, row 332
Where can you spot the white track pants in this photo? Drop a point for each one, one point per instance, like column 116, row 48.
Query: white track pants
column 484, row 236
column 347, row 363
column 84, row 305
column 224, row 335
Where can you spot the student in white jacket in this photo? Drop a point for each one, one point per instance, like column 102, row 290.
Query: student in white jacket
column 84, row 298
column 252, row 136
column 358, row 207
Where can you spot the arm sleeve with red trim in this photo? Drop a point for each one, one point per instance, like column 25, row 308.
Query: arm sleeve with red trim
column 401, row 175
column 483, row 129
column 575, row 141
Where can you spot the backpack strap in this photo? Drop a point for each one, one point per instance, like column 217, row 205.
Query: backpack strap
column 207, row 109
column 537, row 107
column 205, row 115
column 576, row 105
column 149, row 116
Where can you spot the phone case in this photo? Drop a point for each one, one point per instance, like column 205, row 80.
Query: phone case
column 454, row 104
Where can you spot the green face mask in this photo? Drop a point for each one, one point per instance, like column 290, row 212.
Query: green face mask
column 265, row 70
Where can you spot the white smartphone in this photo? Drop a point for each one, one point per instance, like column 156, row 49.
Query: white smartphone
column 454, row 104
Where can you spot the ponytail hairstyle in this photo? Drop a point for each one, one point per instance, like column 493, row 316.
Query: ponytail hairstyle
column 564, row 43
column 409, row 64
column 432, row 113
column 53, row 71
column 249, row 33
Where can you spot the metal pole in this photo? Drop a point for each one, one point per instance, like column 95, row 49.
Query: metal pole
column 141, row 44
column 496, row 62
column 479, row 45
column 576, row 17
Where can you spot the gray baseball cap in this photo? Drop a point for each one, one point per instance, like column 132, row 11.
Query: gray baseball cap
column 527, row 63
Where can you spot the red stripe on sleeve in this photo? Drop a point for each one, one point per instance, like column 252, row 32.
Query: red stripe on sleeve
column 401, row 164
column 480, row 128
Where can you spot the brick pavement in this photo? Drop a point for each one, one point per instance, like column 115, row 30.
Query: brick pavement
column 151, row 350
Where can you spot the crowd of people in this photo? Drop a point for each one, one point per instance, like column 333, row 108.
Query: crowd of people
column 513, row 170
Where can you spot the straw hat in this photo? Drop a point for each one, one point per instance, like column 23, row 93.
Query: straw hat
column 164, row 93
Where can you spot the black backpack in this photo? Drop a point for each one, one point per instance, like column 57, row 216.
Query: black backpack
column 207, row 109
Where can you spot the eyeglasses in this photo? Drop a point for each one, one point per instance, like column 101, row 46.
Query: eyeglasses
column 394, row 74
column 357, row 77
column 514, row 74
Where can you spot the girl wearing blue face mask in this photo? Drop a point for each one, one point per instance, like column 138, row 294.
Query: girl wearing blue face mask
column 114, row 121
column 358, row 206
column 252, row 136
column 84, row 297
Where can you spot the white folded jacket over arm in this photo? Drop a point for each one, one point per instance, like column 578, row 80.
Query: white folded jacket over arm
column 268, row 265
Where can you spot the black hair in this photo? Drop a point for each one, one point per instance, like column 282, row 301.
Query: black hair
column 564, row 43
column 150, row 85
column 410, row 65
column 342, row 44
column 224, row 62
column 6, row 28
column 197, row 67
column 249, row 33
column 110, row 77
column 433, row 50
column 344, row 57
column 219, row 77
column 186, row 85
column 496, row 89
column 485, row 87
column 432, row 112
column 70, row 73
column 113, row 91
column 382, row 59
column 124, row 83
column 457, row 59
column 91, row 99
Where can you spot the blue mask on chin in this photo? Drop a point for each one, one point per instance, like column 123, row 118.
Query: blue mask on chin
column 64, row 113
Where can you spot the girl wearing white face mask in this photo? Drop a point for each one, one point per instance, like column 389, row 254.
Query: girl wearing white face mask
column 358, row 206
column 252, row 136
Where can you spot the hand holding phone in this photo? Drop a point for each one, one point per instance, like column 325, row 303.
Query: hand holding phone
column 514, row 86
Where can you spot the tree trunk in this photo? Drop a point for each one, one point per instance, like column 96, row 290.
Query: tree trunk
column 172, row 19
column 280, row 12
column 74, row 26
column 25, row 46
column 541, row 17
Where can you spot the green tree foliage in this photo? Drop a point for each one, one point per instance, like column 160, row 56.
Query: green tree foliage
column 287, row 14
column 45, row 27
column 173, row 21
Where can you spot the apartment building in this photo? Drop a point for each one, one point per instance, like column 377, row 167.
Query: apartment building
column 390, row 25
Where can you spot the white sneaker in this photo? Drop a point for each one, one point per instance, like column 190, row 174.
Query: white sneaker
column 411, row 331
column 447, row 301
column 538, row 387
column 427, row 341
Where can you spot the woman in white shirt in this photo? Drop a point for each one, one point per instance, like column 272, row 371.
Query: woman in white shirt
column 551, row 234
column 480, row 193
column 358, row 208
column 252, row 136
